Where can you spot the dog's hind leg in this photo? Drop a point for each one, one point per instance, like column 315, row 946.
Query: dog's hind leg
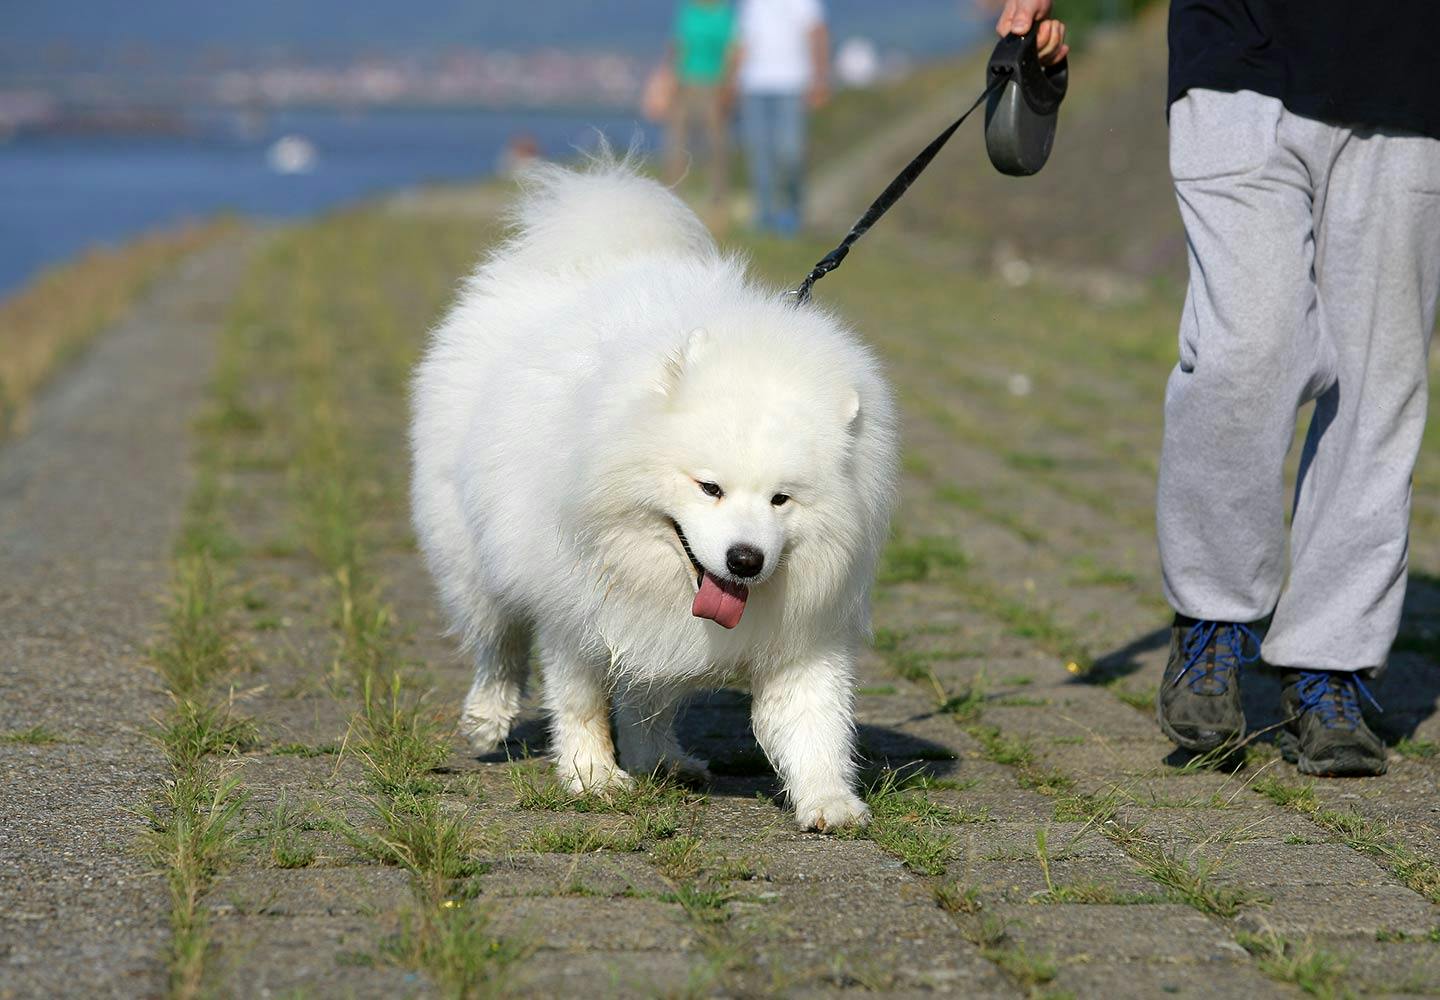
column 645, row 732
column 579, row 710
column 502, row 657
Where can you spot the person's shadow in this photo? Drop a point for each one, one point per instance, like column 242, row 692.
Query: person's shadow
column 1408, row 690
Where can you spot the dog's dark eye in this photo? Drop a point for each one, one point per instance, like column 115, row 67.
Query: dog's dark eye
column 712, row 489
column 779, row 500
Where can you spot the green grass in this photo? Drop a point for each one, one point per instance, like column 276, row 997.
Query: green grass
column 194, row 729
column 454, row 942
column 991, row 934
column 1025, row 620
column 583, row 838
column 956, row 898
column 1416, row 749
column 976, row 503
column 314, row 354
column 1189, row 875
column 1366, row 835
column 1011, row 751
column 914, row 560
column 193, row 826
column 1084, row 891
column 657, row 804
column 197, row 645
column 397, row 741
column 38, row 736
column 305, row 750
column 192, row 835
column 1142, row 700
column 281, row 837
column 1190, row 878
column 1310, row 967
column 906, row 823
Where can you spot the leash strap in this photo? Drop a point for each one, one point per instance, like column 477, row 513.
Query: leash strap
column 890, row 196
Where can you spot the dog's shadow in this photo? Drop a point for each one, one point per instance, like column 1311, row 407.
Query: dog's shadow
column 716, row 727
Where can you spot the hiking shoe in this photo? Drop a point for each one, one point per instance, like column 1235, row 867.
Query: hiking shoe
column 1199, row 701
column 1325, row 732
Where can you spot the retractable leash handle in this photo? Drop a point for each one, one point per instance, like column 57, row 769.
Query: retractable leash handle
column 1021, row 115
column 1024, row 102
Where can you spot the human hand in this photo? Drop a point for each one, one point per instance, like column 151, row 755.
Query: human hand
column 1018, row 16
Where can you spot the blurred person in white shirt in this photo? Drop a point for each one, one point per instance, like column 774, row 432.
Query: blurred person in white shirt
column 784, row 72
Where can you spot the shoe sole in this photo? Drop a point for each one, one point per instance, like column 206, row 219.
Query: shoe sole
column 1194, row 746
column 1347, row 767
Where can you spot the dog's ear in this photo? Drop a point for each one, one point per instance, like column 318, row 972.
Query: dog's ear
column 679, row 361
column 851, row 408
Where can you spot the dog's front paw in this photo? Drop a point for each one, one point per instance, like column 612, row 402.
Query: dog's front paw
column 485, row 733
column 831, row 812
column 488, row 715
column 594, row 779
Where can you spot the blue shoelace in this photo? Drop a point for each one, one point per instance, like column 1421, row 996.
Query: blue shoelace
column 1334, row 696
column 1231, row 642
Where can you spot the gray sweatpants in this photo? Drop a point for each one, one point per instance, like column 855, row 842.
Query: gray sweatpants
column 1314, row 271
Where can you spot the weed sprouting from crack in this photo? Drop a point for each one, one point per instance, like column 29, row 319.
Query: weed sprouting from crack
column 193, row 818
column 904, row 821
column 1307, row 965
column 37, row 736
column 192, row 835
column 1357, row 832
column 339, row 336
column 281, row 835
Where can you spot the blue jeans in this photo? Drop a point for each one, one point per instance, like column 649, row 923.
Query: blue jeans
column 772, row 127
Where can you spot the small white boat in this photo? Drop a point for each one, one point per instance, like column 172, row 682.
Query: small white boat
column 292, row 154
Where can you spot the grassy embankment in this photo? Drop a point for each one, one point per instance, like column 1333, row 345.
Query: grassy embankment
column 54, row 316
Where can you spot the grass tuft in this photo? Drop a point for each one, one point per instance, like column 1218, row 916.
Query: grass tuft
column 905, row 823
column 39, row 736
column 1416, row 749
column 956, row 898
column 453, row 941
column 1190, row 878
column 1369, row 836
column 194, row 729
column 196, row 647
column 1310, row 967
column 191, row 837
column 910, row 561
column 283, row 843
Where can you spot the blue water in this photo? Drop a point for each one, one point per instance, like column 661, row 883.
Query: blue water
column 60, row 195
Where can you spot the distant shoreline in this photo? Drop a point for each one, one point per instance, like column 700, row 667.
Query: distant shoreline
column 142, row 120
column 64, row 192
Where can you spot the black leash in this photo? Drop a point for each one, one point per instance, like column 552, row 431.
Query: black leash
column 888, row 198
column 1034, row 100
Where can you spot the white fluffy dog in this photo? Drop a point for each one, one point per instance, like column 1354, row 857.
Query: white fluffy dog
column 663, row 475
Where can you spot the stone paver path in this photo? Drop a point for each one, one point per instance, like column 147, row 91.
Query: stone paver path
column 1034, row 833
column 90, row 502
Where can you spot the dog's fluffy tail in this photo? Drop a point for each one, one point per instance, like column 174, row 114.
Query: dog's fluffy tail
column 569, row 219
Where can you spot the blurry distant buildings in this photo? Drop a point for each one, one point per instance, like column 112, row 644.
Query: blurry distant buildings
column 139, row 92
column 545, row 78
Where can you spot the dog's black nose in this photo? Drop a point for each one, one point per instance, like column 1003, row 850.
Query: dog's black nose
column 745, row 560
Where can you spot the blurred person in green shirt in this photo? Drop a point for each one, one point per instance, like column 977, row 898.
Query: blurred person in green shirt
column 700, row 52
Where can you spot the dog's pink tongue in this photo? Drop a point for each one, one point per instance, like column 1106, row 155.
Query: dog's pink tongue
column 720, row 600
